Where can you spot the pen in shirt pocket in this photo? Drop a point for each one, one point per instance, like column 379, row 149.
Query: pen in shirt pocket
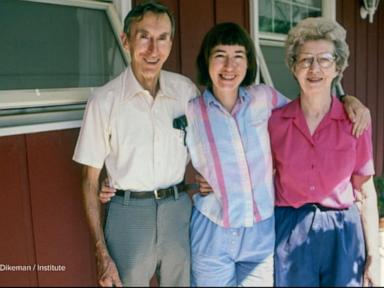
column 181, row 123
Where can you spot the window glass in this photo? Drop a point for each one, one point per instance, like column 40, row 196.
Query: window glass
column 278, row 16
column 282, row 77
column 282, row 17
column 265, row 15
column 299, row 13
column 55, row 46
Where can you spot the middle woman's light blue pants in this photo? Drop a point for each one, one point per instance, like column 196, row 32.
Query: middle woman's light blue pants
column 231, row 256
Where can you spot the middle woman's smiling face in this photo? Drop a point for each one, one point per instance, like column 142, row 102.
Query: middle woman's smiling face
column 227, row 68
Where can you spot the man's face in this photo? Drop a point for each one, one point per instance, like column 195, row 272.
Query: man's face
column 149, row 44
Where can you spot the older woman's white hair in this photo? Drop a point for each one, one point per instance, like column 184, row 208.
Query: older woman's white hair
column 317, row 28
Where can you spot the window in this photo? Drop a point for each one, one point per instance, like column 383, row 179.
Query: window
column 272, row 20
column 278, row 16
column 52, row 54
column 273, row 53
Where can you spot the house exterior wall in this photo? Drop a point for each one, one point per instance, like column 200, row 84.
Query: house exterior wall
column 365, row 75
column 41, row 215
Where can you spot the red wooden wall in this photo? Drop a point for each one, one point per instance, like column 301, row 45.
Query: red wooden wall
column 41, row 216
column 17, row 240
column 365, row 75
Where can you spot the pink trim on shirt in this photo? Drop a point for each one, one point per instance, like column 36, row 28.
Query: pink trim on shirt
column 216, row 159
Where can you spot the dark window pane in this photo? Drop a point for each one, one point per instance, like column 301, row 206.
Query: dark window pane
column 314, row 13
column 265, row 16
column 282, row 17
column 299, row 13
column 55, row 46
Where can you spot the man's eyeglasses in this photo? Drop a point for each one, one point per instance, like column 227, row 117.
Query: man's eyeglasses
column 325, row 60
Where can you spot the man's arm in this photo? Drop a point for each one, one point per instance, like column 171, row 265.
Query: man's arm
column 106, row 268
column 357, row 113
column 370, row 222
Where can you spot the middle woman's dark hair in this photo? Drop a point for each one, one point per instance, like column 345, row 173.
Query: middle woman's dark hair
column 227, row 33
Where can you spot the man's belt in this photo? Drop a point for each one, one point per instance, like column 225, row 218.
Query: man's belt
column 156, row 194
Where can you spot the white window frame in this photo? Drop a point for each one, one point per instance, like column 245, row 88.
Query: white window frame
column 123, row 7
column 275, row 39
column 29, row 98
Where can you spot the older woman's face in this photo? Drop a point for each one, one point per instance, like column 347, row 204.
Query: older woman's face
column 315, row 67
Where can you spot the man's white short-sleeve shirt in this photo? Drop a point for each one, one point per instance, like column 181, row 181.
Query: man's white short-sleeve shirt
column 132, row 132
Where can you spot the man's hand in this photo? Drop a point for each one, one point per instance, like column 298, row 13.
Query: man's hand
column 106, row 192
column 358, row 114
column 204, row 187
column 106, row 268
column 106, row 271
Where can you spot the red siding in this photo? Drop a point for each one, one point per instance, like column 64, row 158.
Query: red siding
column 41, row 214
column 60, row 229
column 16, row 241
column 173, row 63
column 227, row 11
column 196, row 18
column 365, row 75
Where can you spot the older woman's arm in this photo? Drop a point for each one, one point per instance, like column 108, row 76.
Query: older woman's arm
column 370, row 222
column 357, row 113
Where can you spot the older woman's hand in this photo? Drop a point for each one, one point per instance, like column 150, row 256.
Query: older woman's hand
column 369, row 220
column 372, row 271
column 358, row 114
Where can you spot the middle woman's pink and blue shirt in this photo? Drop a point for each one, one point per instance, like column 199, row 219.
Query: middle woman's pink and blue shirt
column 232, row 152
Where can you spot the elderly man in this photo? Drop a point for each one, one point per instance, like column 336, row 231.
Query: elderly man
column 128, row 126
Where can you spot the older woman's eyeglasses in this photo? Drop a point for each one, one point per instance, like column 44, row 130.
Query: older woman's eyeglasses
column 325, row 60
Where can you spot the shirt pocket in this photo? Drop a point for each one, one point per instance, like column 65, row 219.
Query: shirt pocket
column 179, row 135
column 173, row 146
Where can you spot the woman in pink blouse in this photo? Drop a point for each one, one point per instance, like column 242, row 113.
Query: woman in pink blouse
column 320, row 169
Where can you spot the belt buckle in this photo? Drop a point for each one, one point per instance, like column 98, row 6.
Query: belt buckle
column 157, row 197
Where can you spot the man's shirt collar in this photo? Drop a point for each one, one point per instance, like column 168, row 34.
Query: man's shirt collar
column 134, row 88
